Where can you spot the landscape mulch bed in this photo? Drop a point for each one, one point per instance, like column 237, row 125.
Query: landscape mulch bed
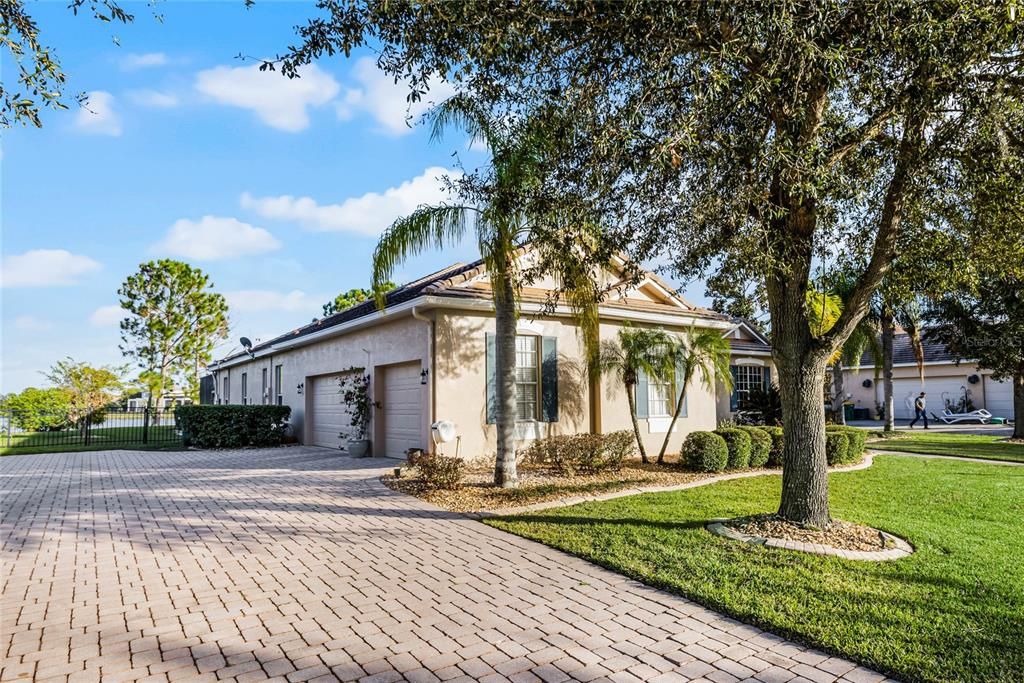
column 843, row 535
column 536, row 485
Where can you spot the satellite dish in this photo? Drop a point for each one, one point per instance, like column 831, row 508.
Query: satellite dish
column 443, row 431
column 247, row 345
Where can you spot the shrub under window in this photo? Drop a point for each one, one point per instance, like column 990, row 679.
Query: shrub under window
column 232, row 426
column 739, row 447
column 705, row 452
column 760, row 445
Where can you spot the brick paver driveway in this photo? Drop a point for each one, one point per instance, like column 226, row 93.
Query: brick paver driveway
column 298, row 564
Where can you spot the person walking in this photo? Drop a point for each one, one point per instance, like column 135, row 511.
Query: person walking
column 919, row 411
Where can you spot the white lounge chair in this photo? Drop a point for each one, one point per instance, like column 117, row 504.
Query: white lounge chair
column 949, row 417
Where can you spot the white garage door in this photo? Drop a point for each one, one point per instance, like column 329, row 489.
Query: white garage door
column 936, row 392
column 999, row 397
column 329, row 416
column 403, row 416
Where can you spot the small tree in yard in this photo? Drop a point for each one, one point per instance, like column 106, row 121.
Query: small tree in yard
column 703, row 353
column 89, row 389
column 986, row 324
column 174, row 320
column 38, row 409
column 636, row 351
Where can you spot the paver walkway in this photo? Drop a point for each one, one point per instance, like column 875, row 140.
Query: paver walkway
column 297, row 564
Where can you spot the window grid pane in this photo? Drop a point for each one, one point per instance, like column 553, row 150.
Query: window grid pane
column 748, row 378
column 527, row 370
column 659, row 398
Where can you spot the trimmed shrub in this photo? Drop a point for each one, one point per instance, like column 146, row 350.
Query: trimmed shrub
column 705, row 452
column 837, row 446
column 739, row 447
column 858, row 439
column 775, row 454
column 760, row 445
column 440, row 471
column 572, row 453
column 232, row 426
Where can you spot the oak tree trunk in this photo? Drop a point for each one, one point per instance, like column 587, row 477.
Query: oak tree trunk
column 888, row 332
column 505, row 474
column 804, row 465
column 1018, row 406
column 838, row 394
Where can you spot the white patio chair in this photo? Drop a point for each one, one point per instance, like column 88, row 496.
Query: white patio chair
column 949, row 417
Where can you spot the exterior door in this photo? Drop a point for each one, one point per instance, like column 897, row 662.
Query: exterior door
column 402, row 410
column 329, row 415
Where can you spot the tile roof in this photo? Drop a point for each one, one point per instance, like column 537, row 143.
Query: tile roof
column 903, row 351
column 445, row 282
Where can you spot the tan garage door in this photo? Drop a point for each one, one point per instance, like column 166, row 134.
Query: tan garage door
column 403, row 416
column 999, row 397
column 329, row 416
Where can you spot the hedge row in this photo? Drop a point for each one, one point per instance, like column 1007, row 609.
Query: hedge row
column 746, row 446
column 232, row 426
column 571, row 453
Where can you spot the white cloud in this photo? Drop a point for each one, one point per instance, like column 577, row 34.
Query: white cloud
column 97, row 115
column 45, row 268
column 368, row 214
column 385, row 100
column 153, row 98
column 107, row 316
column 29, row 323
column 278, row 101
column 134, row 61
column 213, row 238
column 250, row 300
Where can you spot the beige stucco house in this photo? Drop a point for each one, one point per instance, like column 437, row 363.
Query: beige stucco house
column 945, row 382
column 426, row 354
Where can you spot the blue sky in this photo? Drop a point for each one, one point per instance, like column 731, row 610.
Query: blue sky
column 276, row 188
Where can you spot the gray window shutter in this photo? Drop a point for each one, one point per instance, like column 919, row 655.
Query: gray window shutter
column 549, row 380
column 492, row 383
column 680, row 370
column 767, row 384
column 734, row 399
column 641, row 395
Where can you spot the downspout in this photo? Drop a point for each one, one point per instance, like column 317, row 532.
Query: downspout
column 431, row 377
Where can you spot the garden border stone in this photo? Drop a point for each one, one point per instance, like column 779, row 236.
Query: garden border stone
column 900, row 550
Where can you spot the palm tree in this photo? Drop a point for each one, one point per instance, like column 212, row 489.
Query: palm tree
column 702, row 352
column 865, row 337
column 500, row 224
column 634, row 352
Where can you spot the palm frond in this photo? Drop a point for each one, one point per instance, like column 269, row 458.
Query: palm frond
column 428, row 227
column 462, row 111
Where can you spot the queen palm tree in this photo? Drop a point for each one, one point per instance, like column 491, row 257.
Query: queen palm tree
column 499, row 219
column 701, row 352
column 637, row 351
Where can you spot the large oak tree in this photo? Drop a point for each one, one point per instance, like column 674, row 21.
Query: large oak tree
column 752, row 139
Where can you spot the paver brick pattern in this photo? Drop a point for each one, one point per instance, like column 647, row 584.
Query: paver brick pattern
column 296, row 564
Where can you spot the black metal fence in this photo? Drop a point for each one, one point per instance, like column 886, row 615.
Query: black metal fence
column 43, row 431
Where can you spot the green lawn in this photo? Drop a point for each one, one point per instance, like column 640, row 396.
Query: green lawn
column 947, row 443
column 162, row 436
column 953, row 611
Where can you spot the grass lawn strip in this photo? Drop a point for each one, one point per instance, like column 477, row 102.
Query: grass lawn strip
column 952, row 611
column 945, row 443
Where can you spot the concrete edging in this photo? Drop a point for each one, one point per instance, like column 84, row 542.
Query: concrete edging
column 900, row 550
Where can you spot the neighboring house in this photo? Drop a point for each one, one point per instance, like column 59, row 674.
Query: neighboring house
column 945, row 383
column 140, row 400
column 429, row 355
column 750, row 363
